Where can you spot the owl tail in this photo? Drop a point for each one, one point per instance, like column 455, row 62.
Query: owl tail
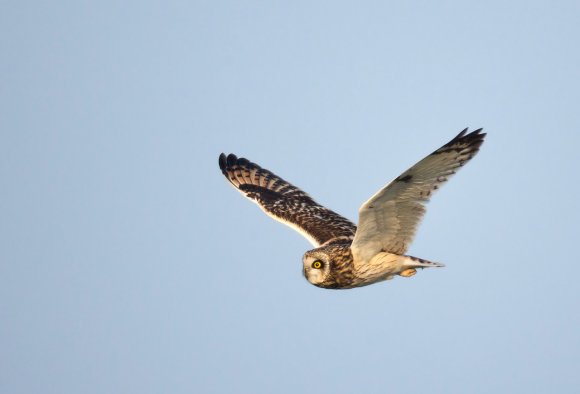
column 415, row 262
column 410, row 265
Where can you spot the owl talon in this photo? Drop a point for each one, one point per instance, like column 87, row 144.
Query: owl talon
column 408, row 272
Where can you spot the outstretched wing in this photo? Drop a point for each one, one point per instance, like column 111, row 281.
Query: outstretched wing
column 285, row 202
column 389, row 220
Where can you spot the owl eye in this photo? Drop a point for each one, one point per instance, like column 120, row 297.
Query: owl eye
column 317, row 264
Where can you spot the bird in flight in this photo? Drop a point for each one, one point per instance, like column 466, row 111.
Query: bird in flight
column 347, row 256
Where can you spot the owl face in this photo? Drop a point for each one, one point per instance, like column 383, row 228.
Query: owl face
column 317, row 267
column 329, row 266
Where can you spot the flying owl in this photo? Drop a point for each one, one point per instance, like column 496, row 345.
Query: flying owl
column 347, row 256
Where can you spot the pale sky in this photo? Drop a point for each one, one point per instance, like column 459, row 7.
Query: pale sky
column 128, row 264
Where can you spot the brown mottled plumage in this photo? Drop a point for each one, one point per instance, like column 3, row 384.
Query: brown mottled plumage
column 346, row 256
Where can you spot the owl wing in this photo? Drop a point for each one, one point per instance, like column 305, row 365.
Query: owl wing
column 389, row 220
column 285, row 202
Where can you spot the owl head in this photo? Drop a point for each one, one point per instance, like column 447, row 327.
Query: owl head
column 329, row 266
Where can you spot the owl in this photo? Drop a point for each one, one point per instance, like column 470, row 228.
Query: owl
column 344, row 255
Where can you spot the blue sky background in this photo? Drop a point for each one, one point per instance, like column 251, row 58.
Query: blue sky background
column 129, row 265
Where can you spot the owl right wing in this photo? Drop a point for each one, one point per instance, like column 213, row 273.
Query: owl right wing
column 389, row 220
column 285, row 202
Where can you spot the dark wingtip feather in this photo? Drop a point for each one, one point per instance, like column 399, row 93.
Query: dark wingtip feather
column 231, row 159
column 461, row 133
column 473, row 138
column 222, row 161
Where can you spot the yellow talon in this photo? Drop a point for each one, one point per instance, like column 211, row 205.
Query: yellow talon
column 408, row 272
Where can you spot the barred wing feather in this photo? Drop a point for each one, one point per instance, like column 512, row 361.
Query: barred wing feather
column 285, row 202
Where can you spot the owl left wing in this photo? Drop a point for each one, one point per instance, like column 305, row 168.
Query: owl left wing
column 389, row 220
column 285, row 202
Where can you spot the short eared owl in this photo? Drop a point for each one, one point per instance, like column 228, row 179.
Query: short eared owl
column 346, row 256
